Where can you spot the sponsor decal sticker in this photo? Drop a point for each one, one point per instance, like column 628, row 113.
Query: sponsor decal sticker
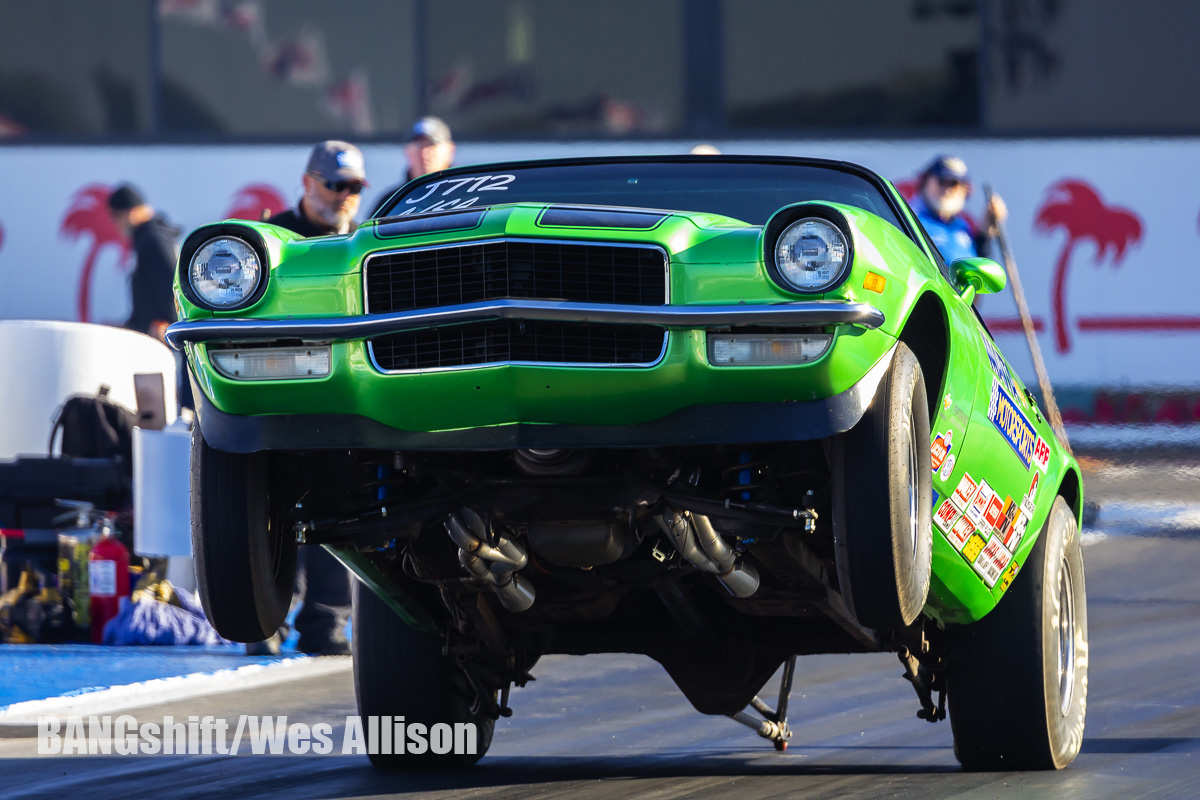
column 945, row 516
column 1013, row 540
column 973, row 547
column 940, row 448
column 1033, row 487
column 947, row 402
column 1000, row 368
column 1006, row 533
column 995, row 512
column 965, row 491
column 1009, row 575
column 1007, row 514
column 1041, row 454
column 983, row 498
column 1027, row 506
column 1008, row 419
column 948, row 467
column 991, row 562
column 960, row 533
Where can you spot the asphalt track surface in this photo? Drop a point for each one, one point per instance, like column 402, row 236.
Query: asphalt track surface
column 614, row 726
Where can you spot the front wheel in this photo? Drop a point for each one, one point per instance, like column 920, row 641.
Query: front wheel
column 884, row 492
column 245, row 560
column 1016, row 681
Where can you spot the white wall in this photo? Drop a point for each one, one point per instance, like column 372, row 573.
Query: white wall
column 1131, row 321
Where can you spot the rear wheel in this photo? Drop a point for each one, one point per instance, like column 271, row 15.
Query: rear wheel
column 1016, row 681
column 886, row 484
column 245, row 560
column 401, row 672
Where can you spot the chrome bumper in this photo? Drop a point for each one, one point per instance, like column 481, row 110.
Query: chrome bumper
column 812, row 312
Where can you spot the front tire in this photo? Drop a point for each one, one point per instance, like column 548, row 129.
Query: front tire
column 401, row 672
column 1016, row 681
column 886, row 486
column 245, row 560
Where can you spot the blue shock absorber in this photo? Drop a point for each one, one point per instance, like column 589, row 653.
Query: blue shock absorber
column 381, row 491
column 744, row 475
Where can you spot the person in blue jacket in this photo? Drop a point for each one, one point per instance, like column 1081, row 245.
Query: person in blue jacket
column 944, row 186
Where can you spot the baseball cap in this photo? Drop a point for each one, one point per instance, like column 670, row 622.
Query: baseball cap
column 948, row 167
column 334, row 160
column 125, row 197
column 432, row 128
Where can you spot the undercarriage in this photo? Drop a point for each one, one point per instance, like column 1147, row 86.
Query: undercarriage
column 720, row 562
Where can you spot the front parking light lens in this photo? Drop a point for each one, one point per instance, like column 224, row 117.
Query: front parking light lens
column 747, row 350
column 272, row 363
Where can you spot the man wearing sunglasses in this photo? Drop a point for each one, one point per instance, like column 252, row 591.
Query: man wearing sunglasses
column 944, row 187
column 333, row 184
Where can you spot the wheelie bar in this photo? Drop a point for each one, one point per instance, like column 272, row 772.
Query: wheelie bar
column 774, row 725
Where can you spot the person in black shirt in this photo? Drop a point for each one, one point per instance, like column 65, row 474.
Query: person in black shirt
column 333, row 184
column 150, row 284
column 430, row 148
column 155, row 254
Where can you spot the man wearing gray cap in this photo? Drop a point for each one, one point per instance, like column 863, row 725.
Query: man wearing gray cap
column 430, row 148
column 333, row 184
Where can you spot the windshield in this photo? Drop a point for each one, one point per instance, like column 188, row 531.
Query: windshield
column 747, row 191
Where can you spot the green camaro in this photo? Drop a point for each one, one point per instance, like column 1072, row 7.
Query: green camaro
column 676, row 406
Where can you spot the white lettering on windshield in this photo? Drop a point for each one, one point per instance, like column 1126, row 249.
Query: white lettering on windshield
column 478, row 183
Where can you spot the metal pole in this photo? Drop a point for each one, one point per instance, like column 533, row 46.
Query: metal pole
column 1035, row 350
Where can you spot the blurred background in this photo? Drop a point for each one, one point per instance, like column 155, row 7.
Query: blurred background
column 1082, row 114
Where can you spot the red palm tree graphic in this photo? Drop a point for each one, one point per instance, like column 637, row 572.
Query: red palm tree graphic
column 88, row 214
column 256, row 201
column 1077, row 208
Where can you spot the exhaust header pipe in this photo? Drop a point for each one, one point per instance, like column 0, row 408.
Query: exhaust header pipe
column 701, row 546
column 497, row 564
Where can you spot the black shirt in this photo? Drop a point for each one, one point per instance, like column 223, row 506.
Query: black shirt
column 294, row 220
column 153, row 274
column 388, row 194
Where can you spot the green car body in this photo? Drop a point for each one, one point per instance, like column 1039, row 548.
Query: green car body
column 995, row 431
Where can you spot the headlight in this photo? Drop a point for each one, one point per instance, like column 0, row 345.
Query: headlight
column 225, row 272
column 811, row 254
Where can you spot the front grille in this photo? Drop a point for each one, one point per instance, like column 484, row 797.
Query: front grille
column 469, row 273
column 519, row 340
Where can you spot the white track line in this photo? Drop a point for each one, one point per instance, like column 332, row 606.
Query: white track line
column 1132, row 437
column 1123, row 518
column 166, row 690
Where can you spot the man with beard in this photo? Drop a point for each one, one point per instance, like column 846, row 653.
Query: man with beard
column 944, row 188
column 333, row 184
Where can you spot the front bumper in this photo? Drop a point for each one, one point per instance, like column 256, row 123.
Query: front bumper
column 814, row 312
column 681, row 399
column 712, row 423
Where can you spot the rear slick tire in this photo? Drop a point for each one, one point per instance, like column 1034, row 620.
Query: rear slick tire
column 1016, row 681
column 886, row 485
column 400, row 672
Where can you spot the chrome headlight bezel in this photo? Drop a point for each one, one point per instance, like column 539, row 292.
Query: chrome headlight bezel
column 782, row 221
column 202, row 237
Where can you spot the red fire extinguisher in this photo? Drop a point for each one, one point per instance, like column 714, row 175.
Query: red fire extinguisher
column 108, row 580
